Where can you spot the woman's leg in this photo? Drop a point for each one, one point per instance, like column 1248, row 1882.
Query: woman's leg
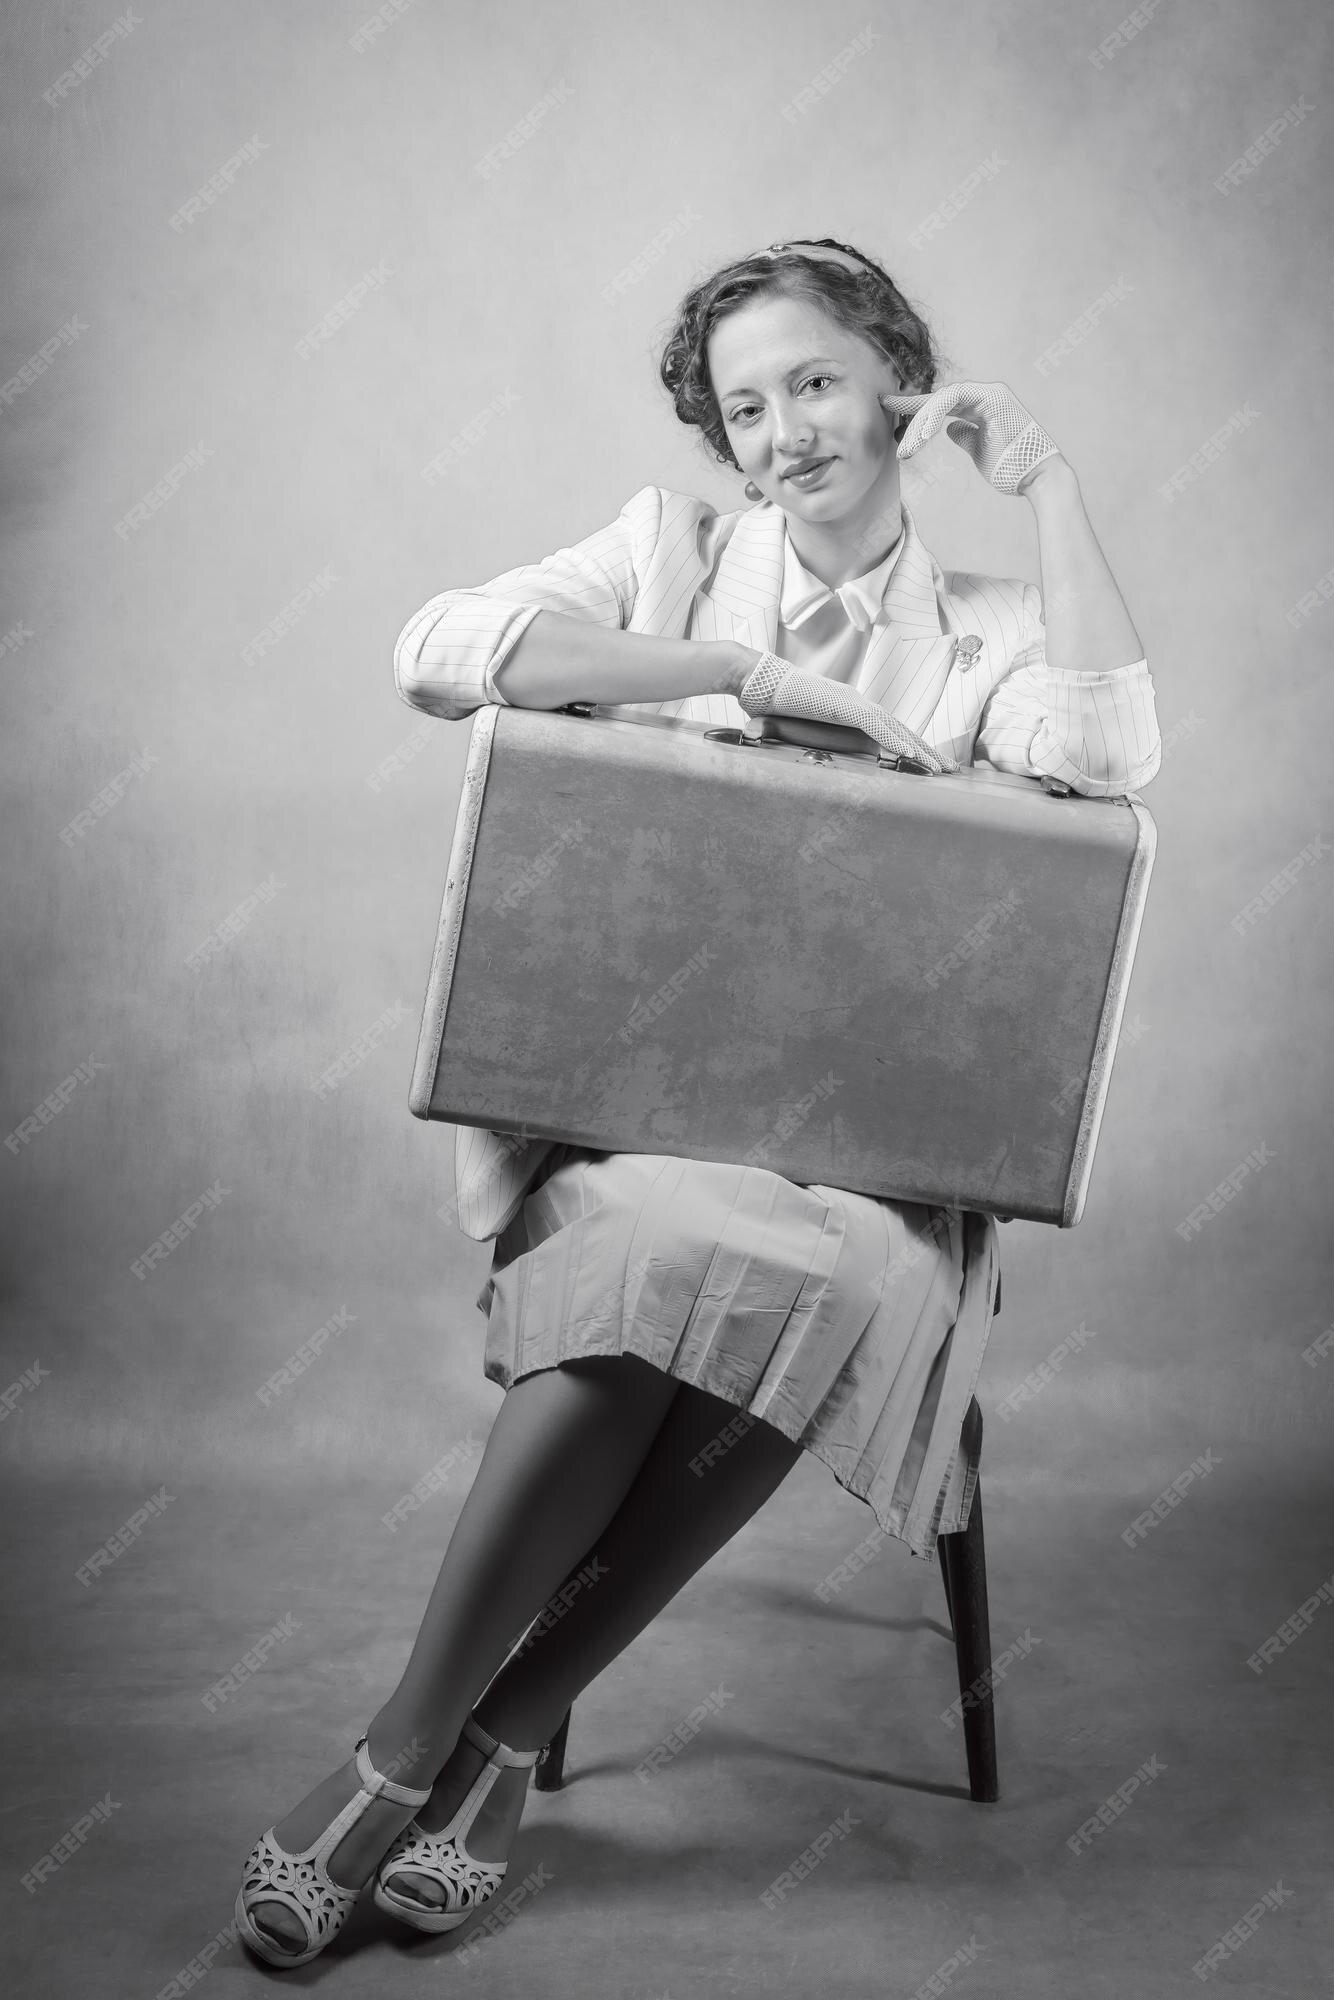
column 709, row 1469
column 563, row 1451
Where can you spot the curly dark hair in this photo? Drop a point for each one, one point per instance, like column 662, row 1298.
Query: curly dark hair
column 865, row 302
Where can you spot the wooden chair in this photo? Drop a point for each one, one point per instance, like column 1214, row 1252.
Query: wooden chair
column 963, row 1567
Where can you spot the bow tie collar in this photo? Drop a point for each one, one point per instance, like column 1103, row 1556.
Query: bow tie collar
column 862, row 597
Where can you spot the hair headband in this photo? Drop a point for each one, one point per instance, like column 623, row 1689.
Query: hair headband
column 807, row 248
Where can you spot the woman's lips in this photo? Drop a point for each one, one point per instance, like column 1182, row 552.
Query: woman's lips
column 812, row 476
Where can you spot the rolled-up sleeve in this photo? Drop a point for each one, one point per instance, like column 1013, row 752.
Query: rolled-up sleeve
column 1096, row 732
column 448, row 653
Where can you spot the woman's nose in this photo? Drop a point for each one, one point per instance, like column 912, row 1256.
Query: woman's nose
column 792, row 427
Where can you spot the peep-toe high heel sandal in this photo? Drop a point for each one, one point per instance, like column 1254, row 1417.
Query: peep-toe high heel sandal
column 442, row 1857
column 301, row 1882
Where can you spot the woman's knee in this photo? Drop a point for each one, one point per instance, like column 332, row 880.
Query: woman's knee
column 712, row 1430
column 623, row 1371
column 608, row 1365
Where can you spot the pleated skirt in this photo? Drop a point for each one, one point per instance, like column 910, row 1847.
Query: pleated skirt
column 856, row 1326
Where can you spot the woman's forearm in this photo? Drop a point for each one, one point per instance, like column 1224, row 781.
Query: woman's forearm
column 558, row 659
column 1088, row 626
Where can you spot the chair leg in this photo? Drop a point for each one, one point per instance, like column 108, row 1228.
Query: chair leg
column 964, row 1567
column 549, row 1770
column 943, row 1551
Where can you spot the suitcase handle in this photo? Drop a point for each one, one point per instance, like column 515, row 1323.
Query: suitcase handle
column 842, row 737
column 809, row 733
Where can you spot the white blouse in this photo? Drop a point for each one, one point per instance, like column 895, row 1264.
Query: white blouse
column 824, row 630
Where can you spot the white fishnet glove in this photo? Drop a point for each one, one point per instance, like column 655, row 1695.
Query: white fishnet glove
column 776, row 687
column 1004, row 442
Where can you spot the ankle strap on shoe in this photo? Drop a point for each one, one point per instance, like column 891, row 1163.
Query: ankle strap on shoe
column 381, row 1787
column 494, row 1750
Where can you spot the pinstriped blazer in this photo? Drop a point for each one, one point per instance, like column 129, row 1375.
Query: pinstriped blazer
column 673, row 566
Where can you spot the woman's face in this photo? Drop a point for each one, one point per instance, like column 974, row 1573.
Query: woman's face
column 794, row 388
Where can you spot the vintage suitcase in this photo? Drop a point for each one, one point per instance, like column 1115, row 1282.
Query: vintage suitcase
column 663, row 938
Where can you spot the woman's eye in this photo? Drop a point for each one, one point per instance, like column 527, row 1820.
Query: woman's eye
column 745, row 411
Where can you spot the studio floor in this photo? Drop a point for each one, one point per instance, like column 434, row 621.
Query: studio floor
column 820, row 1716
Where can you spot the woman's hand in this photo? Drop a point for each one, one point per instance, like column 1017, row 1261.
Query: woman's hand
column 1088, row 629
column 1004, row 441
column 742, row 662
column 776, row 687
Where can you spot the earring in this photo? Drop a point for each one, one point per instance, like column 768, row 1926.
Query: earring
column 752, row 491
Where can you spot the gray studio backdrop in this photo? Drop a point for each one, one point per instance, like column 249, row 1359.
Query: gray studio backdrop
column 308, row 317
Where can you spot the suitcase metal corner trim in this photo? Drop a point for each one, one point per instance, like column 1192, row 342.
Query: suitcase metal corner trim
column 522, row 985
column 462, row 847
column 1109, row 1028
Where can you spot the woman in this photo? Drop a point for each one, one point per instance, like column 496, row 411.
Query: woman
column 637, row 1303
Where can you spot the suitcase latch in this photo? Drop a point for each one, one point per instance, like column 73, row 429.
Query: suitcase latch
column 888, row 761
